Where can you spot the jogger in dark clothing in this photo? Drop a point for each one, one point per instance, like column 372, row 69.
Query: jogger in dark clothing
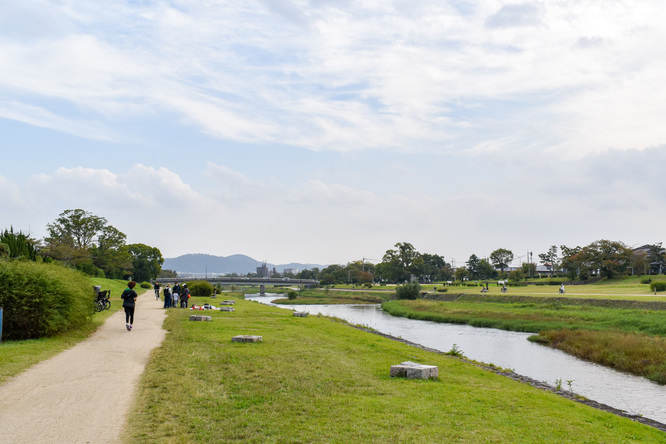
column 129, row 302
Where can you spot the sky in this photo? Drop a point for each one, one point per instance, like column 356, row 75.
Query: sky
column 326, row 131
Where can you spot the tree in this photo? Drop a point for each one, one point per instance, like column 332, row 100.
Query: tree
column 486, row 270
column 408, row 291
column 76, row 226
column 529, row 268
column 461, row 273
column 572, row 261
column 432, row 266
column 549, row 259
column 399, row 264
column 18, row 245
column 110, row 253
column 473, row 266
column 146, row 262
column 611, row 258
column 501, row 258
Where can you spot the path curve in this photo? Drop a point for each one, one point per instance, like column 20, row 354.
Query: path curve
column 83, row 394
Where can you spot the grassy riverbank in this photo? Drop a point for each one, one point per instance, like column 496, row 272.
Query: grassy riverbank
column 316, row 380
column 332, row 296
column 627, row 336
column 17, row 356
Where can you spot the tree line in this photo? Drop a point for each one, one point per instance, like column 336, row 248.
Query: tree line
column 403, row 263
column 86, row 242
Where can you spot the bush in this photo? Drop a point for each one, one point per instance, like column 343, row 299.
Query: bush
column 145, row 284
column 658, row 286
column 408, row 291
column 442, row 290
column 43, row 299
column 200, row 288
column 292, row 294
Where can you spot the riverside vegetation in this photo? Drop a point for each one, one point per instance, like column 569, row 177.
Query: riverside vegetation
column 622, row 333
column 316, row 379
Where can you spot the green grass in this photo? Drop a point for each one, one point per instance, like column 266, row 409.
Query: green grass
column 324, row 296
column 316, row 380
column 17, row 356
column 626, row 339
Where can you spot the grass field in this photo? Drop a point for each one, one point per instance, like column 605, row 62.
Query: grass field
column 316, row 380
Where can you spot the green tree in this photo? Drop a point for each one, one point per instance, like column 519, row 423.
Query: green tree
column 550, row 260
column 572, row 261
column 501, row 258
column 408, row 291
column 146, row 262
column 461, row 273
column 19, row 245
column 400, row 263
column 473, row 266
column 486, row 270
column 611, row 258
column 110, row 253
column 76, row 226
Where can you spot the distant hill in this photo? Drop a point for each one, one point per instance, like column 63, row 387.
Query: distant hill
column 237, row 263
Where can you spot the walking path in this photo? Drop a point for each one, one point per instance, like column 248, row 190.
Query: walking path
column 83, row 394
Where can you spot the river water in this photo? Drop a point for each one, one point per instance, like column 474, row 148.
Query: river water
column 511, row 350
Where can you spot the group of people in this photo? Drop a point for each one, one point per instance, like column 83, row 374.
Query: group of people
column 173, row 295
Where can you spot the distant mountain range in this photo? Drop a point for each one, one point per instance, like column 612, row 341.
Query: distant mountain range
column 237, row 263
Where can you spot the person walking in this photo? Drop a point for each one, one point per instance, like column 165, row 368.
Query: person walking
column 129, row 303
column 184, row 296
column 174, row 299
column 157, row 291
column 167, row 296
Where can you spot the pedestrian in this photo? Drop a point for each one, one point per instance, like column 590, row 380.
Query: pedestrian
column 185, row 295
column 176, row 288
column 157, row 291
column 174, row 299
column 167, row 296
column 129, row 302
column 561, row 288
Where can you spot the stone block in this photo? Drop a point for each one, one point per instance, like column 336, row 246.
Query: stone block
column 228, row 302
column 227, row 309
column 412, row 370
column 247, row 338
column 301, row 314
column 200, row 318
column 214, row 296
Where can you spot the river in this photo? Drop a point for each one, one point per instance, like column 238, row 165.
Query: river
column 512, row 350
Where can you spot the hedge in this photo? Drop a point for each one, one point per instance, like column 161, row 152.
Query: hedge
column 40, row 299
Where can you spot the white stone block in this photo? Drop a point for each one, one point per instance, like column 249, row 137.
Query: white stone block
column 412, row 370
column 247, row 338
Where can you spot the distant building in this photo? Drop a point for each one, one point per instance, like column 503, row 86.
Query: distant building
column 293, row 271
column 262, row 271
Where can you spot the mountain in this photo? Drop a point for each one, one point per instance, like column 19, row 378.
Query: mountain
column 237, row 263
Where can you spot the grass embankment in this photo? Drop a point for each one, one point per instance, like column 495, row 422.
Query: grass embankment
column 325, row 296
column 316, row 380
column 17, row 356
column 627, row 336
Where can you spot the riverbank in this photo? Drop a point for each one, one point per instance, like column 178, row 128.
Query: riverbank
column 316, row 380
column 627, row 336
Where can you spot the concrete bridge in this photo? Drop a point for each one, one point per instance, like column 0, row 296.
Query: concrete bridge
column 286, row 282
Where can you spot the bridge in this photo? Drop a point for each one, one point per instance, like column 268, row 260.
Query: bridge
column 243, row 281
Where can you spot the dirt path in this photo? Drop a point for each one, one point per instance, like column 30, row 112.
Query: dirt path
column 83, row 394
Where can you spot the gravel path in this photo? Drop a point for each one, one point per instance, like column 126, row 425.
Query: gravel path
column 83, row 394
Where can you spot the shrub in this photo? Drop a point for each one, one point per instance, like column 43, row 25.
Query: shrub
column 292, row 294
column 200, row 288
column 442, row 290
column 408, row 291
column 658, row 286
column 145, row 284
column 43, row 299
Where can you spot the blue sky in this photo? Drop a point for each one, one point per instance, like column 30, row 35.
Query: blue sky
column 326, row 131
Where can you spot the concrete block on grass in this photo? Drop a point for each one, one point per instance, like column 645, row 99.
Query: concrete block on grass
column 200, row 318
column 228, row 302
column 227, row 309
column 247, row 338
column 301, row 314
column 412, row 370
